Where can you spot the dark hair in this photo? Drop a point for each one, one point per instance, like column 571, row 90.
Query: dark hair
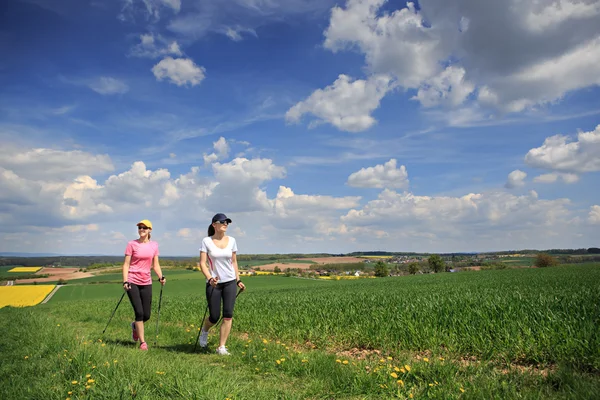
column 211, row 230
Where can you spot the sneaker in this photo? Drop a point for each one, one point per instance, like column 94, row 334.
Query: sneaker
column 143, row 346
column 203, row 340
column 134, row 335
column 222, row 351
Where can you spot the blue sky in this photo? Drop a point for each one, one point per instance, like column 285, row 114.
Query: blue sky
column 317, row 126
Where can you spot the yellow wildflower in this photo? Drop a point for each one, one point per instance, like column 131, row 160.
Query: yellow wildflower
column 26, row 357
column 304, row 360
column 426, row 359
column 74, row 382
column 88, row 375
column 70, row 393
column 87, row 387
column 278, row 362
column 431, row 384
column 338, row 361
column 407, row 367
column 91, row 381
column 389, row 358
column 265, row 341
column 382, row 360
column 400, row 382
column 410, row 396
column 441, row 358
column 394, row 375
column 345, row 362
column 462, row 390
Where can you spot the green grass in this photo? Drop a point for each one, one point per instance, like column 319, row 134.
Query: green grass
column 5, row 275
column 525, row 333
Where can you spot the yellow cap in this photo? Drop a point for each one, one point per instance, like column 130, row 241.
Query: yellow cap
column 145, row 222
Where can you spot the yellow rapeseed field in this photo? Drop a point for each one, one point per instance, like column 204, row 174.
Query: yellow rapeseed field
column 23, row 295
column 25, row 269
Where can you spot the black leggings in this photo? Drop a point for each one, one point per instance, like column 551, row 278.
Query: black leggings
column 225, row 291
column 141, row 300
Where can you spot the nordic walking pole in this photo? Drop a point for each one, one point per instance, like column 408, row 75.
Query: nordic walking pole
column 158, row 314
column 113, row 313
column 202, row 322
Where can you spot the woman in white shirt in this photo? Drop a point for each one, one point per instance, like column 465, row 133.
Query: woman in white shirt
column 218, row 263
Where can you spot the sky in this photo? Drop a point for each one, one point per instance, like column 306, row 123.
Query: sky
column 315, row 125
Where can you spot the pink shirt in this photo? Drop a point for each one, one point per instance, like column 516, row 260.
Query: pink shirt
column 142, row 255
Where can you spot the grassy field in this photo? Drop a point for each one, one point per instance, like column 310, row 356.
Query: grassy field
column 524, row 333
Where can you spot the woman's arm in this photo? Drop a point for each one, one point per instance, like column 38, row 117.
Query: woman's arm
column 205, row 271
column 126, row 271
column 237, row 271
column 157, row 270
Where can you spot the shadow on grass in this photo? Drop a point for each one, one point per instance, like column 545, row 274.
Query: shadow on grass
column 122, row 342
column 188, row 349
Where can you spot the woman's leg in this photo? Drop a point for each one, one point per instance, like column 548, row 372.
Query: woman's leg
column 136, row 301
column 229, row 293
column 146, row 300
column 213, row 297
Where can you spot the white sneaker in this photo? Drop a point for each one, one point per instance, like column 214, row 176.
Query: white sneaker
column 222, row 351
column 203, row 340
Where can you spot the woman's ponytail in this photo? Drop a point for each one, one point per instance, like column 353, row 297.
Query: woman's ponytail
column 211, row 230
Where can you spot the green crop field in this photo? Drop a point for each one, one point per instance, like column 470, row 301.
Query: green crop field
column 509, row 334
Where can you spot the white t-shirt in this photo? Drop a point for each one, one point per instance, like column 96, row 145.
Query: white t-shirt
column 219, row 260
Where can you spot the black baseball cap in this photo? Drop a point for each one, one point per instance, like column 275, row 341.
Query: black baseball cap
column 220, row 217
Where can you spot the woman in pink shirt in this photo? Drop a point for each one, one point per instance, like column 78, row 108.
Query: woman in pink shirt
column 141, row 255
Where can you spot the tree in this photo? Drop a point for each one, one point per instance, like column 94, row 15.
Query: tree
column 436, row 263
column 544, row 260
column 381, row 269
column 276, row 269
column 413, row 268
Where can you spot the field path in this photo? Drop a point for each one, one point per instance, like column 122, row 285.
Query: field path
column 51, row 294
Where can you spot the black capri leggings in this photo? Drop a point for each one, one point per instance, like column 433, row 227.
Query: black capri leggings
column 141, row 300
column 225, row 291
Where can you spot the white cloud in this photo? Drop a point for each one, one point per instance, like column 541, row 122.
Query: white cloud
column 222, row 149
column 180, row 71
column 52, row 164
column 380, row 176
column 449, row 88
column 346, row 104
column 476, row 212
column 107, row 85
column 562, row 154
column 235, row 32
column 554, row 176
column 449, row 49
column 516, row 179
column 594, row 215
column 155, row 46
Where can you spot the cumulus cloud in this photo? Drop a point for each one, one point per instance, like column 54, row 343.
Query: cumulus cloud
column 554, row 176
column 515, row 179
column 346, row 104
column 179, row 71
column 155, row 46
column 564, row 154
column 386, row 175
column 450, row 50
column 221, row 152
column 106, row 85
column 594, row 215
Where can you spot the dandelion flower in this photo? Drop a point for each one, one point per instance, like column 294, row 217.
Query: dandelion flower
column 87, row 387
column 115, row 361
column 402, row 370
column 57, row 324
column 426, row 359
column 390, row 358
column 74, row 382
column 338, row 361
column 265, row 341
column 410, row 396
column 394, row 375
column 441, row 358
column 382, row 360
column 253, row 356
column 70, row 393
column 407, row 367
column 91, row 381
column 88, row 376
column 257, row 369
column 187, row 330
column 431, row 384
column 278, row 362
column 282, row 359
column 103, row 344
column 345, row 362
column 93, row 367
column 304, row 360
column 400, row 382
column 26, row 357
column 396, row 369
column 462, row 390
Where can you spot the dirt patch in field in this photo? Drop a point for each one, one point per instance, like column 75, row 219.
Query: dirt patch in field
column 283, row 266
column 336, row 260
column 56, row 274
